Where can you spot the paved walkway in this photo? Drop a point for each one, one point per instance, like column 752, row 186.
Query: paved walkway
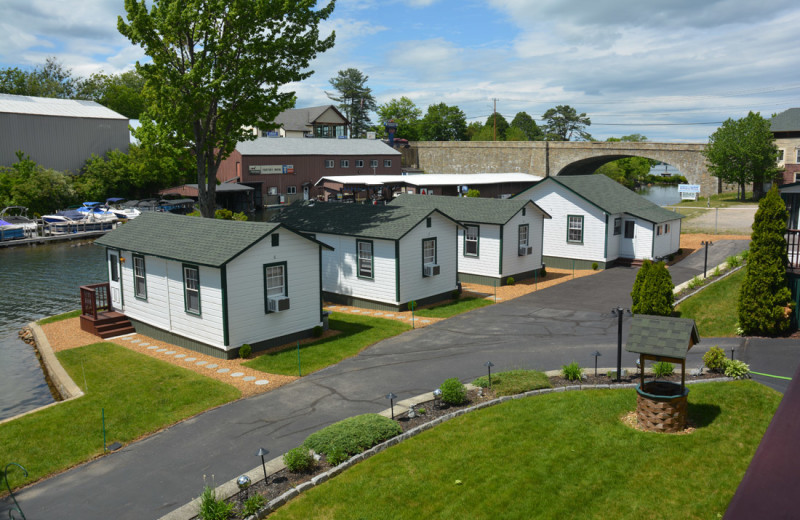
column 541, row 330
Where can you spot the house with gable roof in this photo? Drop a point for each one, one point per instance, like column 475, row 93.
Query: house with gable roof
column 501, row 238
column 213, row 285
column 381, row 257
column 596, row 219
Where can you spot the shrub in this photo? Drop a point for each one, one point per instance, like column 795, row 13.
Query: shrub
column 241, row 216
column 510, row 280
column 745, row 255
column 543, row 272
column 638, row 283
column 317, row 331
column 337, row 456
column 733, row 261
column 421, row 410
column 671, row 257
column 299, row 459
column 245, row 351
column 595, row 266
column 455, row 295
column 211, row 508
column 695, row 282
column 653, row 290
column 714, row 359
column 353, row 435
column 252, row 505
column 453, row 392
column 663, row 369
column 736, row 369
column 412, row 305
column 572, row 372
column 680, row 251
column 717, row 273
column 764, row 298
column 473, row 193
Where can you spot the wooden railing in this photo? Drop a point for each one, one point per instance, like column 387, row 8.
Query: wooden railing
column 94, row 299
column 793, row 248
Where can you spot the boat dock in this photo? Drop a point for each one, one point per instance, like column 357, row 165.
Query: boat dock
column 38, row 240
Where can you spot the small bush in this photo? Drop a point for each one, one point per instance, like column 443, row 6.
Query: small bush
column 510, row 280
column 595, row 266
column 455, row 295
column 211, row 508
column 337, row 456
column 421, row 410
column 663, row 369
column 353, row 435
column 733, row 261
column 245, row 351
column 252, row 505
column 680, row 251
column 717, row 273
column 714, row 359
column 412, row 305
column 572, row 372
column 299, row 460
column 736, row 369
column 453, row 392
column 543, row 272
column 745, row 255
column 695, row 282
column 317, row 331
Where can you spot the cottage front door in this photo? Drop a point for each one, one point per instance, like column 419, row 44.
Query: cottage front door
column 114, row 279
column 305, row 192
column 627, row 245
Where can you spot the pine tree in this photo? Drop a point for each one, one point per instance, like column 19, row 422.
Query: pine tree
column 654, row 291
column 636, row 293
column 764, row 297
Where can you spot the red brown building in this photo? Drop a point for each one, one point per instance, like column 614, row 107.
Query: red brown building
column 284, row 170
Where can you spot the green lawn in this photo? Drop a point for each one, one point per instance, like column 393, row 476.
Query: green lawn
column 140, row 395
column 714, row 308
column 357, row 333
column 453, row 307
column 514, row 381
column 721, row 200
column 561, row 455
column 60, row 317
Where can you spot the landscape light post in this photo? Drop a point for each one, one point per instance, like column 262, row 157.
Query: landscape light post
column 489, row 366
column 261, row 452
column 619, row 312
column 391, row 397
column 706, row 243
column 596, row 355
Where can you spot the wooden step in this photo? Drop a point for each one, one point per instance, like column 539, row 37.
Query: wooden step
column 119, row 331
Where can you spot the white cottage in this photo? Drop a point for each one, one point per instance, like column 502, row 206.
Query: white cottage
column 501, row 238
column 213, row 285
column 597, row 220
column 382, row 257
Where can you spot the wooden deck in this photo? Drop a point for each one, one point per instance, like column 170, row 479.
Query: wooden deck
column 97, row 314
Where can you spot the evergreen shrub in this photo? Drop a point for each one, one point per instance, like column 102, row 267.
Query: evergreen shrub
column 299, row 459
column 453, row 392
column 352, row 436
column 714, row 359
column 245, row 351
column 653, row 290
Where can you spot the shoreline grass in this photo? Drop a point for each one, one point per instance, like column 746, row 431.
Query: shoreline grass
column 559, row 455
column 60, row 317
column 714, row 308
column 140, row 395
column 358, row 333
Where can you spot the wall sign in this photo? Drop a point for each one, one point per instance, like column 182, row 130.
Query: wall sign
column 271, row 169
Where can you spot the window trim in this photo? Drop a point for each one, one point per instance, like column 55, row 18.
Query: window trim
column 275, row 241
column 617, row 226
column 359, row 163
column 387, row 163
column 136, row 278
column 373, row 163
column 371, row 275
column 291, row 190
column 184, row 268
column 435, row 253
column 329, row 163
column 344, row 163
column 781, row 155
column 666, row 228
column 266, row 288
column 477, row 240
column 658, row 230
column 633, row 230
column 527, row 228
column 569, row 228
column 114, row 261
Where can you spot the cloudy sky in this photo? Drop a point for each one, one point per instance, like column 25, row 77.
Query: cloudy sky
column 671, row 73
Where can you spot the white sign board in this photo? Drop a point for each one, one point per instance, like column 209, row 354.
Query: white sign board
column 689, row 188
column 271, row 169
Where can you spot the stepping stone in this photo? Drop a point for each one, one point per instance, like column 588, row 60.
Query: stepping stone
column 366, row 312
column 223, row 370
column 355, row 310
column 169, row 352
column 390, row 315
column 190, row 359
column 200, row 363
column 152, row 347
column 126, row 338
column 161, row 350
column 248, row 378
column 180, row 356
column 143, row 344
column 262, row 382
column 136, row 341
column 212, row 365
column 401, row 317
column 378, row 314
column 237, row 374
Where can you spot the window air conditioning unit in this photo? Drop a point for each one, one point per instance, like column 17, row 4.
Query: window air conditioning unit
column 523, row 251
column 278, row 303
column 431, row 269
column 530, row 250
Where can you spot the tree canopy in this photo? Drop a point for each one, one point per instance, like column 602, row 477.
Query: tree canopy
column 629, row 170
column 355, row 99
column 405, row 113
column 217, row 67
column 501, row 125
column 122, row 93
column 526, row 123
column 742, row 151
column 443, row 123
column 563, row 122
column 51, row 80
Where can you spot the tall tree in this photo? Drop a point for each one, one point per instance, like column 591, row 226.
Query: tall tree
column 473, row 129
column 563, row 122
column 217, row 67
column 515, row 134
column 444, row 123
column 742, row 151
column 51, row 80
column 629, row 170
column 405, row 113
column 764, row 298
column 498, row 124
column 39, row 189
column 355, row 99
column 122, row 93
column 526, row 123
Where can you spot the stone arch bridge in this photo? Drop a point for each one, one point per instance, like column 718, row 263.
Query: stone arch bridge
column 547, row 158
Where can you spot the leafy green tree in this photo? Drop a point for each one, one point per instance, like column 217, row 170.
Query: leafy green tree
column 526, row 123
column 405, row 113
column 501, row 125
column 49, row 80
column 472, row 130
column 764, row 299
column 122, row 93
column 217, row 68
column 742, row 151
column 473, row 193
column 515, row 134
column 444, row 123
column 653, row 290
column 355, row 99
column 629, row 170
column 485, row 133
column 39, row 189
column 563, row 122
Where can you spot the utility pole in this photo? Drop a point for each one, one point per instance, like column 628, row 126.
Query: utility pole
column 494, row 120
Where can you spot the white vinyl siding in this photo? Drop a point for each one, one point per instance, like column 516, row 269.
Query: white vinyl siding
column 413, row 286
column 340, row 269
column 512, row 262
column 669, row 240
column 488, row 263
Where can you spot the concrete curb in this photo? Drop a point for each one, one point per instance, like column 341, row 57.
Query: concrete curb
column 230, row 488
column 63, row 384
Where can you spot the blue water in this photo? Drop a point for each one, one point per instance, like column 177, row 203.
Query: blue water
column 36, row 282
column 661, row 195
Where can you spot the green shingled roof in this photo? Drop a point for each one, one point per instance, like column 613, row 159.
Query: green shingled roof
column 386, row 222
column 786, row 121
column 613, row 198
column 203, row 241
column 468, row 209
column 662, row 336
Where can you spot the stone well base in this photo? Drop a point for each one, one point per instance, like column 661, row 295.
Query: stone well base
column 662, row 413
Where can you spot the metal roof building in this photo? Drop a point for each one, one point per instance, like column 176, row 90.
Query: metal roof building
column 58, row 133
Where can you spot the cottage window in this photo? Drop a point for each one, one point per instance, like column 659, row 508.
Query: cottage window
column 666, row 228
column 630, row 225
column 344, row 163
column 276, row 240
column 471, row 237
column 617, row 226
column 291, row 190
column 575, row 229
column 191, row 289
column 329, row 163
column 658, row 231
column 373, row 163
column 524, row 234
column 114, row 260
column 275, row 283
column 429, row 251
column 365, row 259
column 359, row 163
column 387, row 163
column 139, row 278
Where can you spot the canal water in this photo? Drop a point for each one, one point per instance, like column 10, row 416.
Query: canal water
column 36, row 282
column 661, row 195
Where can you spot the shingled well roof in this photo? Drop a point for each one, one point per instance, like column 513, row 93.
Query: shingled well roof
column 469, row 209
column 662, row 336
